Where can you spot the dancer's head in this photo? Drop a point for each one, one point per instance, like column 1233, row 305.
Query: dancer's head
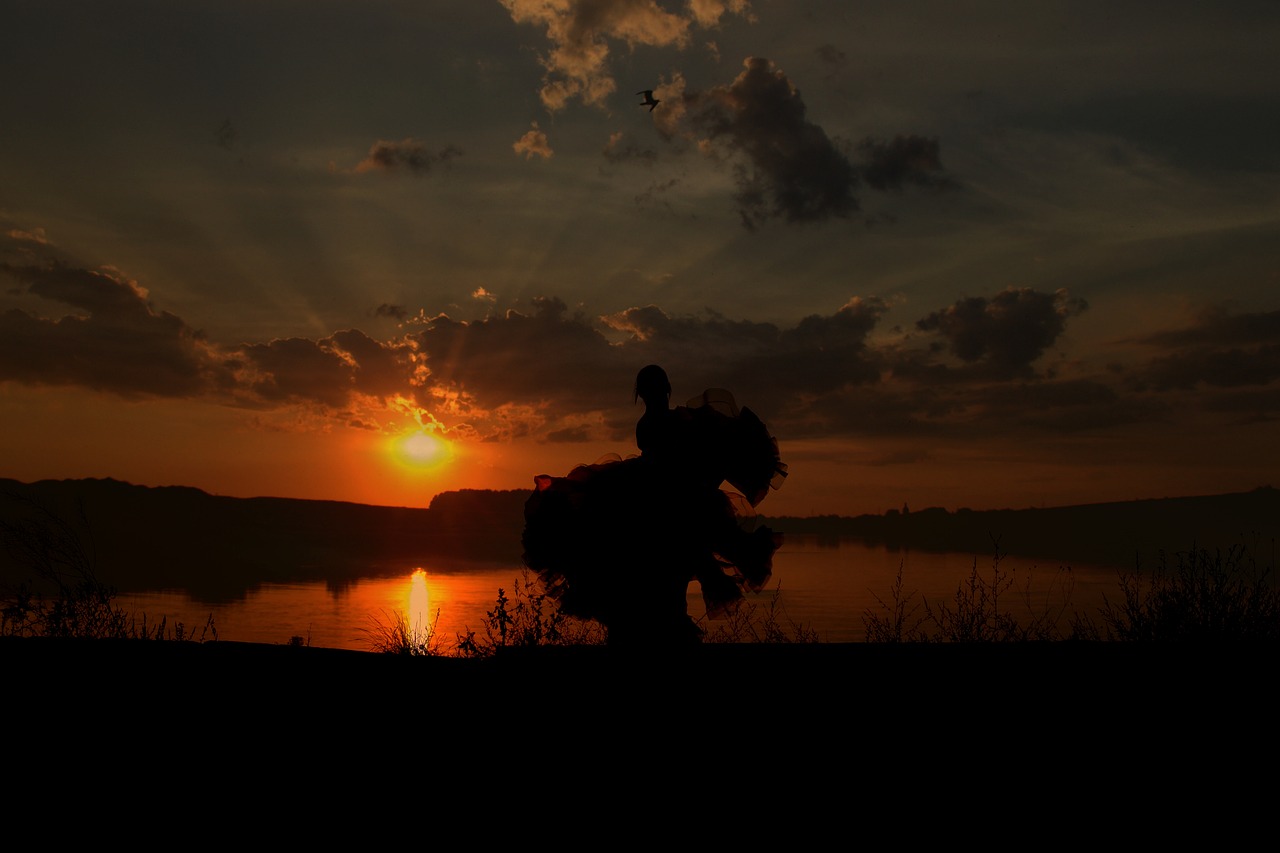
column 652, row 383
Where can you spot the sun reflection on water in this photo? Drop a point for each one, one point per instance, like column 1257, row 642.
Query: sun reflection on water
column 419, row 607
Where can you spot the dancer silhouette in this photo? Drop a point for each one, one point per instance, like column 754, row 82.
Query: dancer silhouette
column 620, row 540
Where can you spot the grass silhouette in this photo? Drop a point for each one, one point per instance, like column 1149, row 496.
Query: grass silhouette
column 1204, row 596
column 524, row 618
column 1199, row 595
column 64, row 598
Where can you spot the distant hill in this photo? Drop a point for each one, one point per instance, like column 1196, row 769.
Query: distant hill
column 1105, row 533
column 175, row 537
column 218, row 548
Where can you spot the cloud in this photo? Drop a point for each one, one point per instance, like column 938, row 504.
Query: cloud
column 786, row 166
column 901, row 161
column 619, row 149
column 1218, row 350
column 833, row 57
column 35, row 235
column 331, row 372
column 534, row 142
column 1007, row 332
column 395, row 312
column 1227, row 367
column 555, row 373
column 1215, row 325
column 542, row 370
column 290, row 370
column 707, row 13
column 114, row 341
column 525, row 357
column 793, row 170
column 582, row 32
column 410, row 154
column 1064, row 406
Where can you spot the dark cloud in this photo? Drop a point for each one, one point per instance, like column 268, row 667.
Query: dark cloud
column 786, row 166
column 1247, row 405
column 290, row 370
column 1225, row 367
column 1060, row 406
column 702, row 346
column 901, row 161
column 329, row 371
column 562, row 375
column 408, row 154
column 832, row 56
column 529, row 358
column 1006, row 332
column 1219, row 350
column 816, row 356
column 847, row 328
column 378, row 369
column 561, row 365
column 656, row 191
column 395, row 312
column 825, row 353
column 543, row 370
column 793, row 170
column 569, row 435
column 1215, row 325
column 115, row 341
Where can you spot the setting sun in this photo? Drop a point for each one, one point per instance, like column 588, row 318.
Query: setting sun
column 421, row 450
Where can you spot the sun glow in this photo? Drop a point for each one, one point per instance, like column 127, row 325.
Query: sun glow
column 421, row 450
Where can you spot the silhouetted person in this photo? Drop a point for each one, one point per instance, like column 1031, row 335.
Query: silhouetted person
column 620, row 540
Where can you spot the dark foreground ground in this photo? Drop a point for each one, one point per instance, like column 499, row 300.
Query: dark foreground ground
column 1069, row 725
column 831, row 678
column 793, row 747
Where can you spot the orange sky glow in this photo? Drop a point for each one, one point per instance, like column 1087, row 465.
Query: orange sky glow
column 1024, row 257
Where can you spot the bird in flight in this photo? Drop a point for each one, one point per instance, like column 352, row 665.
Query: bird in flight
column 649, row 100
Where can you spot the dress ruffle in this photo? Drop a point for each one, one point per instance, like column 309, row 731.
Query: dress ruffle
column 747, row 453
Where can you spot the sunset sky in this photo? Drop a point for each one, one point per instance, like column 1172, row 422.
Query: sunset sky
column 980, row 255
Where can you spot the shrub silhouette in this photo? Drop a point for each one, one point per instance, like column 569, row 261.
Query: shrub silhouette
column 1206, row 596
column 64, row 597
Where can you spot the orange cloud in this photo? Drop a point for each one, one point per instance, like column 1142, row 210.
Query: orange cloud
column 577, row 65
column 534, row 142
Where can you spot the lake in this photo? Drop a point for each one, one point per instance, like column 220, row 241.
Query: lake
column 823, row 585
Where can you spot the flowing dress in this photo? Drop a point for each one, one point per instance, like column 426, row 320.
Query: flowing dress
column 620, row 540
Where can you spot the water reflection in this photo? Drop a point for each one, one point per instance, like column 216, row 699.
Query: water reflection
column 419, row 609
column 343, row 617
column 825, row 586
